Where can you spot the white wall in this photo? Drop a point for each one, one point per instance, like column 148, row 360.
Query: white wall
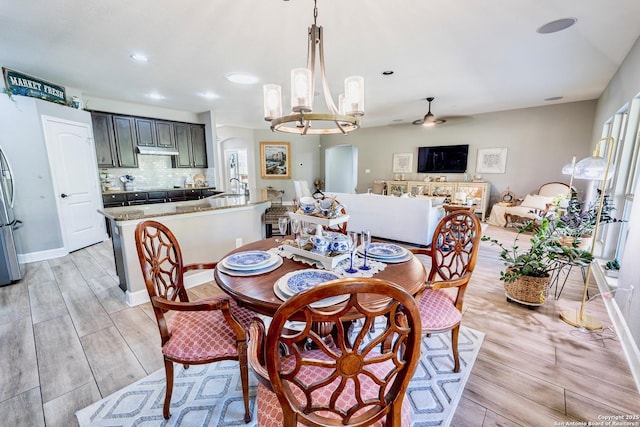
column 305, row 161
column 22, row 137
column 128, row 108
column 539, row 142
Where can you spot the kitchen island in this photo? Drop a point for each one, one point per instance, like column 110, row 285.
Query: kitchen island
column 206, row 229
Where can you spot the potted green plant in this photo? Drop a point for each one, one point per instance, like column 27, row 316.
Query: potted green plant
column 573, row 223
column 612, row 268
column 528, row 270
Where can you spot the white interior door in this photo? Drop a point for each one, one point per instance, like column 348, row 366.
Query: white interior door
column 76, row 183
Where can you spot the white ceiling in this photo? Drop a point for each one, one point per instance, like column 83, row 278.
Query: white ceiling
column 472, row 56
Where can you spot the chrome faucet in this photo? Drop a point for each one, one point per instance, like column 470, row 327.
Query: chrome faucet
column 244, row 185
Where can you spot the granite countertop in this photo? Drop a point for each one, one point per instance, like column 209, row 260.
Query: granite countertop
column 147, row 190
column 219, row 201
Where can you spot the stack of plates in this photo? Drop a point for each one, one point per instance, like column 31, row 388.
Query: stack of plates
column 386, row 252
column 300, row 280
column 249, row 263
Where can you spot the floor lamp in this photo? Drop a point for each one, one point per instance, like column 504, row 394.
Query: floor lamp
column 594, row 168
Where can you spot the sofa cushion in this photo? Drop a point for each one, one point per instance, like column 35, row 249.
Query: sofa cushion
column 536, row 201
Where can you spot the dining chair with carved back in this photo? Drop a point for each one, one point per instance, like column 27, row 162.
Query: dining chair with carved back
column 349, row 380
column 197, row 332
column 452, row 253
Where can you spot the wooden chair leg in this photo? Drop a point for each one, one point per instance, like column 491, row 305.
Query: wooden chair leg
column 244, row 378
column 454, row 347
column 168, row 368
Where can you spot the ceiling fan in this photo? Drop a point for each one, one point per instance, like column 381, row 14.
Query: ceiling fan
column 429, row 119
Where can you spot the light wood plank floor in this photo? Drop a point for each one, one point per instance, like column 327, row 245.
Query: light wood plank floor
column 67, row 339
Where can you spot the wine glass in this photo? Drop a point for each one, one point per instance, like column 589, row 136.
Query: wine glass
column 283, row 221
column 295, row 230
column 353, row 244
column 366, row 241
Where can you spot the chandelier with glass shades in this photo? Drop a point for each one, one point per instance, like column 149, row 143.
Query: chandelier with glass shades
column 302, row 120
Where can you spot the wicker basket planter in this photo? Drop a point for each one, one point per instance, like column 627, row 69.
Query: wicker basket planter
column 531, row 291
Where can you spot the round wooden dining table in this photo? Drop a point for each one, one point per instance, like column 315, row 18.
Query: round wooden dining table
column 257, row 294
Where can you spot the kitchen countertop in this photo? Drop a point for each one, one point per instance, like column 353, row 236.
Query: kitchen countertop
column 219, row 201
column 146, row 190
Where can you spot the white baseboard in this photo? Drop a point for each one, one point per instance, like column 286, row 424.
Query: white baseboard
column 190, row 280
column 629, row 346
column 42, row 255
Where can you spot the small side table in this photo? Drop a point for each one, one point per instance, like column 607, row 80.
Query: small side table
column 448, row 208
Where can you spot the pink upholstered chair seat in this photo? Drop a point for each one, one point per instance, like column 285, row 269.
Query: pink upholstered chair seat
column 193, row 339
column 270, row 411
column 438, row 311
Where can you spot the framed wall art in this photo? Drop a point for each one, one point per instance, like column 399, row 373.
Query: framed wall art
column 275, row 160
column 491, row 160
column 402, row 162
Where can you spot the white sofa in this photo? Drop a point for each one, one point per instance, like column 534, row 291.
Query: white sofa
column 405, row 219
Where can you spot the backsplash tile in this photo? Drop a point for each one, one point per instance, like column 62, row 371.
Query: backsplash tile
column 152, row 172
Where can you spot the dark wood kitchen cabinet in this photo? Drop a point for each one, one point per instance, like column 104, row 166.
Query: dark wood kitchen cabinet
column 191, row 145
column 125, row 137
column 115, row 140
column 145, row 132
column 198, row 146
column 117, row 137
column 104, row 140
column 164, row 134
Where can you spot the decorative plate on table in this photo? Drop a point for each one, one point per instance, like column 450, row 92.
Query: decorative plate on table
column 302, row 280
column 249, row 260
column 277, row 262
column 385, row 250
column 395, row 260
column 298, row 281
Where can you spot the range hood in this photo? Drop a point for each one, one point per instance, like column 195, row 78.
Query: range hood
column 158, row 151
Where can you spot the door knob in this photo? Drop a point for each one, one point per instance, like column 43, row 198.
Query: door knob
column 64, row 196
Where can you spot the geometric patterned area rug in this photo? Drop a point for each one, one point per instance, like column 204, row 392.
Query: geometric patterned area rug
column 211, row 395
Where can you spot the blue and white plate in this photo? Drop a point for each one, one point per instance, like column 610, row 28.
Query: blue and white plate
column 303, row 280
column 306, row 279
column 384, row 250
column 255, row 272
column 249, row 260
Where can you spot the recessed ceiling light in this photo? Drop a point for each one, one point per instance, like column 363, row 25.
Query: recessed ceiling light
column 554, row 98
column 387, row 73
column 242, row 78
column 155, row 95
column 209, row 95
column 557, row 25
column 139, row 57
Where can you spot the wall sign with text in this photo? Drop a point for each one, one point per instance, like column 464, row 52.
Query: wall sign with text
column 18, row 83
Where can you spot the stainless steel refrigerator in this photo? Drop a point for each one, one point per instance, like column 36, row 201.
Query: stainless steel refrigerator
column 10, row 268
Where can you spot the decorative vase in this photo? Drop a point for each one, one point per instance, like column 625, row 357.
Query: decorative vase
column 527, row 290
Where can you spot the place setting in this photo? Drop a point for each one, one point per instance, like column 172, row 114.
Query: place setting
column 249, row 263
column 301, row 280
column 388, row 253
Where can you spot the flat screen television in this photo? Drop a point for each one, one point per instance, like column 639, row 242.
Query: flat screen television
column 443, row 159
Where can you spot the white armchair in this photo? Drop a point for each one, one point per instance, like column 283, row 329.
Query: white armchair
column 533, row 206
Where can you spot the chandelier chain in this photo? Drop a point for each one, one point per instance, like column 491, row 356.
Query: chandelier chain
column 315, row 12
